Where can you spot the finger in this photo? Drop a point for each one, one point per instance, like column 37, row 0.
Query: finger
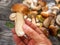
column 17, row 40
column 31, row 33
column 33, row 26
column 31, row 42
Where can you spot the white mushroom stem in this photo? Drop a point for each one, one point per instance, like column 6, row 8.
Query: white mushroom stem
column 19, row 21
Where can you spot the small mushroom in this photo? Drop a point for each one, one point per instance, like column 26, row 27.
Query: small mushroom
column 53, row 20
column 33, row 13
column 53, row 29
column 47, row 22
column 45, row 14
column 45, row 8
column 55, row 9
column 58, row 19
column 34, row 4
column 40, row 18
column 20, row 10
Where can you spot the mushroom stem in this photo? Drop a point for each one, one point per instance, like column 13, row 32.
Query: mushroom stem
column 18, row 24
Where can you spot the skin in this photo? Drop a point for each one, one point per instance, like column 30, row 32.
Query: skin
column 34, row 36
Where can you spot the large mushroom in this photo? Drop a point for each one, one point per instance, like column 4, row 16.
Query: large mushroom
column 20, row 10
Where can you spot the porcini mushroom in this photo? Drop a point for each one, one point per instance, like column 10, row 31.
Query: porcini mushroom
column 58, row 19
column 47, row 22
column 20, row 10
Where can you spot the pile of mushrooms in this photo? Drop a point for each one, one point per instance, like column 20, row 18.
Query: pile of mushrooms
column 39, row 14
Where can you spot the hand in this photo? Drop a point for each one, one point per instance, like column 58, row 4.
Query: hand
column 34, row 36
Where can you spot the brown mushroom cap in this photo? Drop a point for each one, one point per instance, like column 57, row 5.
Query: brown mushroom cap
column 20, row 8
column 45, row 14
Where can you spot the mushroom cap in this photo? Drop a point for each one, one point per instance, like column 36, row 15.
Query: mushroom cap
column 45, row 14
column 55, row 8
column 20, row 8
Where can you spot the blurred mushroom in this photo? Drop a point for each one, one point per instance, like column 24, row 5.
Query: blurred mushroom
column 53, row 29
column 55, row 9
column 42, row 3
column 47, row 22
column 45, row 14
column 45, row 31
column 58, row 19
column 33, row 13
column 53, row 20
column 20, row 10
column 45, row 8
column 34, row 4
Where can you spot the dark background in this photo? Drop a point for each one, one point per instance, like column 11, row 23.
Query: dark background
column 5, row 31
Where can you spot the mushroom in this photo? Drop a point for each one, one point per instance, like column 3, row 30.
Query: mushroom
column 53, row 20
column 20, row 10
column 47, row 22
column 45, row 8
column 55, row 9
column 53, row 29
column 45, row 14
column 34, row 4
column 58, row 19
